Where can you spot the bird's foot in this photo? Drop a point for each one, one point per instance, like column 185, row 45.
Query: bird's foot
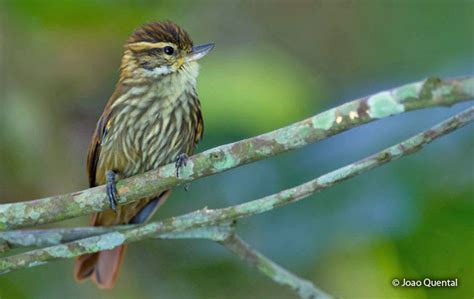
column 112, row 189
column 181, row 161
column 187, row 186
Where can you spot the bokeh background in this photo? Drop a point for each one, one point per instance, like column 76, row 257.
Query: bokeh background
column 275, row 62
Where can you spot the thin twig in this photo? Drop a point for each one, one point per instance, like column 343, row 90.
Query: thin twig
column 304, row 288
column 431, row 92
column 207, row 217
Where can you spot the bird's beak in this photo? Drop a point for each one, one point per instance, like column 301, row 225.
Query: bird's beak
column 199, row 52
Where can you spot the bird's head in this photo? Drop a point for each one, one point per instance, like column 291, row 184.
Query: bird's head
column 160, row 49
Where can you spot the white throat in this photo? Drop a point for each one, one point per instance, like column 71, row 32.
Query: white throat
column 170, row 85
column 158, row 71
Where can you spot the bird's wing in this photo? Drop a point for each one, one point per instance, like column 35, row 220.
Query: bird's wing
column 199, row 131
column 100, row 132
column 94, row 148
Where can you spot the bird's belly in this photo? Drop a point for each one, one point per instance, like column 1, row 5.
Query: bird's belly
column 150, row 143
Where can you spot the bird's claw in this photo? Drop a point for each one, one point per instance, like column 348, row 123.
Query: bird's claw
column 112, row 193
column 181, row 161
column 187, row 186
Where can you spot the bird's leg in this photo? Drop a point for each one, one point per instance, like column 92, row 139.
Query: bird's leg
column 112, row 189
column 181, row 161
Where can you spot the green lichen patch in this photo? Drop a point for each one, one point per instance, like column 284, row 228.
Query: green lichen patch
column 227, row 161
column 60, row 251
column 268, row 268
column 325, row 120
column 294, row 136
column 265, row 147
column 167, row 171
column 188, row 170
column 53, row 238
column 12, row 214
column 444, row 92
column 414, row 143
column 36, row 263
column 383, row 105
column 91, row 244
column 34, row 215
column 468, row 87
column 242, row 149
column 408, row 92
column 110, row 241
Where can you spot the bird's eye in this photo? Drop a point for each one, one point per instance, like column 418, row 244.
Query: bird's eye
column 168, row 50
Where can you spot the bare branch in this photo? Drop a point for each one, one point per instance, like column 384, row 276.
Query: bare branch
column 431, row 92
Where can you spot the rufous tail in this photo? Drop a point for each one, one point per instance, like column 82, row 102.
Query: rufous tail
column 102, row 267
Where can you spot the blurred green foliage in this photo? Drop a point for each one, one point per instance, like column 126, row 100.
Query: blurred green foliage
column 275, row 62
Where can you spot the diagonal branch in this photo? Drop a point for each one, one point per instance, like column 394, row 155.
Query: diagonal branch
column 223, row 233
column 304, row 288
column 431, row 92
column 207, row 217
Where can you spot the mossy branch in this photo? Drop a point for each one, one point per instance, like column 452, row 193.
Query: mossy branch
column 212, row 217
column 223, row 233
column 215, row 224
column 303, row 288
column 431, row 92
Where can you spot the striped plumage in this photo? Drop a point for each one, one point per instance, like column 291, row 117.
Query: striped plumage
column 149, row 125
column 153, row 116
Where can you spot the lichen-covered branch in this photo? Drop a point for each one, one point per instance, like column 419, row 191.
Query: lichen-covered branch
column 208, row 217
column 54, row 236
column 431, row 92
column 304, row 288
column 223, row 233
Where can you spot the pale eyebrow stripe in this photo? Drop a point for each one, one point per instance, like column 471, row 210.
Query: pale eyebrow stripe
column 147, row 45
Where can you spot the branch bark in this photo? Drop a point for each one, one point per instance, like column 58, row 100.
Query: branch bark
column 54, row 236
column 304, row 288
column 223, row 234
column 431, row 92
column 206, row 217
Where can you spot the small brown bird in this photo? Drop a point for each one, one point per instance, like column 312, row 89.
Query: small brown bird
column 153, row 118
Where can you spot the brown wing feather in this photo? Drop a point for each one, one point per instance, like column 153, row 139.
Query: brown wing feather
column 199, row 132
column 93, row 153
